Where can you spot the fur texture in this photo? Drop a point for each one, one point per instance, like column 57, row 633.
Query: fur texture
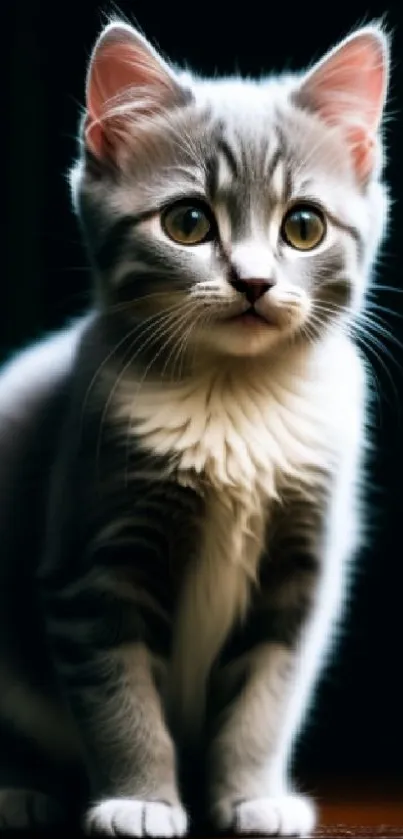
column 186, row 459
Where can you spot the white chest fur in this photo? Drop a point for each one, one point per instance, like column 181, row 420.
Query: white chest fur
column 240, row 439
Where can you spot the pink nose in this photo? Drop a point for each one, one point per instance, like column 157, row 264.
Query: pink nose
column 252, row 289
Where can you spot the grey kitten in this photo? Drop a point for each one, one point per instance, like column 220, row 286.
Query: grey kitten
column 184, row 460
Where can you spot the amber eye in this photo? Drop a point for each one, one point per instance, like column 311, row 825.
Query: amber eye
column 303, row 227
column 188, row 223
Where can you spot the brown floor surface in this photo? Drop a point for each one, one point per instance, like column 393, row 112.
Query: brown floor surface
column 363, row 809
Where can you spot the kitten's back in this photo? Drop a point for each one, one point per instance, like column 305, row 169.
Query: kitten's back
column 32, row 387
column 33, row 391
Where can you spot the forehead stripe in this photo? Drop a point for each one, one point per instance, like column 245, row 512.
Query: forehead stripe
column 347, row 228
column 230, row 159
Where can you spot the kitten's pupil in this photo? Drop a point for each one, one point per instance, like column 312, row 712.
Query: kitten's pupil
column 303, row 226
column 190, row 220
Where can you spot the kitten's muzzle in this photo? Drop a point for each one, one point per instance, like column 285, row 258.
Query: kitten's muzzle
column 252, row 289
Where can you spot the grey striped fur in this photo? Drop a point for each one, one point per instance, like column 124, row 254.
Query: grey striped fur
column 179, row 503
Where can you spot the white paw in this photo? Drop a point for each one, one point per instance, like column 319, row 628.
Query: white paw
column 286, row 815
column 132, row 817
column 21, row 809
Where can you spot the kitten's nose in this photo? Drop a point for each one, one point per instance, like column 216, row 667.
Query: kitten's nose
column 252, row 289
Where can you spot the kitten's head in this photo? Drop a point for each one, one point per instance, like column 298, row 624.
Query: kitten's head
column 233, row 215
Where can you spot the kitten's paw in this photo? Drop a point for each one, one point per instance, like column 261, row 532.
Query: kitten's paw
column 286, row 815
column 23, row 809
column 132, row 817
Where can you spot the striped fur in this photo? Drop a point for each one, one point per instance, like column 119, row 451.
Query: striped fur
column 178, row 489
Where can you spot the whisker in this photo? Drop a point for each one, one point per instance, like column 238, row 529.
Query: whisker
column 131, row 304
column 170, row 318
column 378, row 327
column 184, row 341
column 179, row 325
column 370, row 343
column 140, row 384
column 389, row 288
column 153, row 318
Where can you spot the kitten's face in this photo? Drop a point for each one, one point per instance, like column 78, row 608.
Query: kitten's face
column 233, row 219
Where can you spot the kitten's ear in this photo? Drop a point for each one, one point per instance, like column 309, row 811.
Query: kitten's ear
column 127, row 82
column 347, row 88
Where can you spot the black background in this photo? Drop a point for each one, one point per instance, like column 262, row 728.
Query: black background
column 357, row 722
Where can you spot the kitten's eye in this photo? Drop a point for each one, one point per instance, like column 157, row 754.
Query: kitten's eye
column 303, row 227
column 188, row 223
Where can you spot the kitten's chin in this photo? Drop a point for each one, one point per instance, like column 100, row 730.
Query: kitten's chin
column 249, row 337
column 241, row 339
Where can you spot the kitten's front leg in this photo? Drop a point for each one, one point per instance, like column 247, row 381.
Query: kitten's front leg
column 249, row 791
column 276, row 656
column 107, row 674
column 140, row 797
column 248, row 786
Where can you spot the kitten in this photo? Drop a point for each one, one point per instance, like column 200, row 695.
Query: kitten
column 178, row 469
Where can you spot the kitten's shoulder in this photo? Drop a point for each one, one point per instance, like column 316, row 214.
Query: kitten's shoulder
column 344, row 391
column 342, row 363
column 29, row 376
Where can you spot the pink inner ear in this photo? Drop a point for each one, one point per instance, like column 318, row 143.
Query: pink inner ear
column 111, row 73
column 123, row 62
column 353, row 78
column 348, row 89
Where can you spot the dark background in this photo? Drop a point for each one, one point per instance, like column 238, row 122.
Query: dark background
column 357, row 723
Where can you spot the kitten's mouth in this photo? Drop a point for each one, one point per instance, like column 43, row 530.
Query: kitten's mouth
column 251, row 317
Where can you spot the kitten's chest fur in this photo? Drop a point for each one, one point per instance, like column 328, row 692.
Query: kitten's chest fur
column 239, row 436
column 238, row 440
